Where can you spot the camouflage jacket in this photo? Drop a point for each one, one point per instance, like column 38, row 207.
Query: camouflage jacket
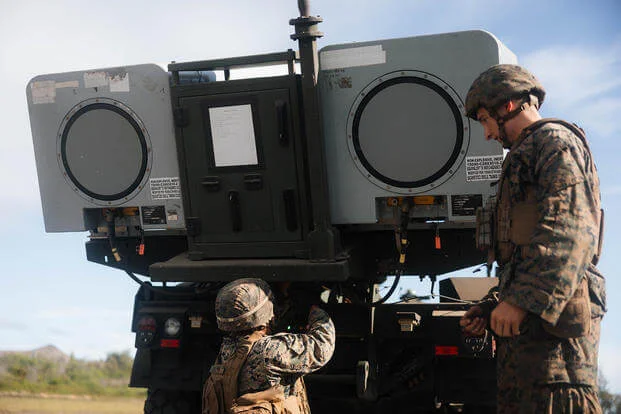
column 543, row 275
column 282, row 358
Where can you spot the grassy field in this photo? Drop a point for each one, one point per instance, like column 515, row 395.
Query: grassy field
column 68, row 404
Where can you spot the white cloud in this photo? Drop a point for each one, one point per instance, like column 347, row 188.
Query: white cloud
column 577, row 72
column 600, row 116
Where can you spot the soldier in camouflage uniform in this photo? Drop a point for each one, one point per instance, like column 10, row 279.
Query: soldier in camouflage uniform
column 256, row 372
column 546, row 223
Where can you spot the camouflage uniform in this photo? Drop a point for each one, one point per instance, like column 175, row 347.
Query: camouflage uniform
column 550, row 168
column 282, row 358
column 253, row 369
column 537, row 369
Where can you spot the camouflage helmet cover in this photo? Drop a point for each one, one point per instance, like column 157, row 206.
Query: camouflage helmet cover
column 499, row 84
column 244, row 304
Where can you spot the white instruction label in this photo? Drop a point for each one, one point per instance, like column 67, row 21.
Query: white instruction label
column 43, row 92
column 95, row 79
column 354, row 56
column 483, row 168
column 232, row 132
column 119, row 82
column 165, row 188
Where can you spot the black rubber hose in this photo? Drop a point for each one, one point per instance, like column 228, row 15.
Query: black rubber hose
column 392, row 289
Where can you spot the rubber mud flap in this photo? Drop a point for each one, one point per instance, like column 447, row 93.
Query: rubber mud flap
column 172, row 402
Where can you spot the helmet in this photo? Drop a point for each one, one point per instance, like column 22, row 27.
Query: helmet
column 244, row 304
column 499, row 84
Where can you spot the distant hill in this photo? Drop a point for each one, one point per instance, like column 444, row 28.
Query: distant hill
column 48, row 352
column 48, row 369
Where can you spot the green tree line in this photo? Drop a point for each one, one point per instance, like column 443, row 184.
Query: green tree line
column 19, row 372
column 611, row 403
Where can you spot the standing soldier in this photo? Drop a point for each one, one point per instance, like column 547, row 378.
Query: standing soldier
column 546, row 240
column 256, row 372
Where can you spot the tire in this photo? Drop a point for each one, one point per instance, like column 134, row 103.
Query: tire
column 172, row 402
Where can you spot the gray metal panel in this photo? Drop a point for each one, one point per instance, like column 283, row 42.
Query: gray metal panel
column 180, row 268
column 104, row 138
column 405, row 121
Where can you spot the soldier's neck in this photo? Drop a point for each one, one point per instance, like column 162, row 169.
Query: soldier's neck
column 515, row 126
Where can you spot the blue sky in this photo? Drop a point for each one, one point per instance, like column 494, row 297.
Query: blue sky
column 51, row 294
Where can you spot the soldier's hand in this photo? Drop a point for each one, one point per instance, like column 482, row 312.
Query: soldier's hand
column 506, row 319
column 310, row 312
column 473, row 322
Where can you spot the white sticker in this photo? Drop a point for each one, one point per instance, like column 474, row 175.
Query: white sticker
column 43, row 92
column 68, row 84
column 483, row 168
column 355, row 56
column 119, row 82
column 165, row 188
column 232, row 133
column 95, row 79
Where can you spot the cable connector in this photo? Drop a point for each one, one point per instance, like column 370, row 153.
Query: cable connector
column 140, row 246
column 115, row 253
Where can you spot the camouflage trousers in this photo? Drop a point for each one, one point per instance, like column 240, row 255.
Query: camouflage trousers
column 552, row 399
column 541, row 373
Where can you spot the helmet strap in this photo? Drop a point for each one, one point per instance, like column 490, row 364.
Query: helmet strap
column 502, row 133
column 501, row 120
column 526, row 102
column 510, row 115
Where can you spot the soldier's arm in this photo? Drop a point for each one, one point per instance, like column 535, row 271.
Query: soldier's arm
column 302, row 353
column 548, row 269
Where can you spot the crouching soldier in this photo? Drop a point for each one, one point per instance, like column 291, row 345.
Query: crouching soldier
column 256, row 372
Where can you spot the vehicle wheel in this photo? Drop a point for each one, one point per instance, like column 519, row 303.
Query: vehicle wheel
column 172, row 402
